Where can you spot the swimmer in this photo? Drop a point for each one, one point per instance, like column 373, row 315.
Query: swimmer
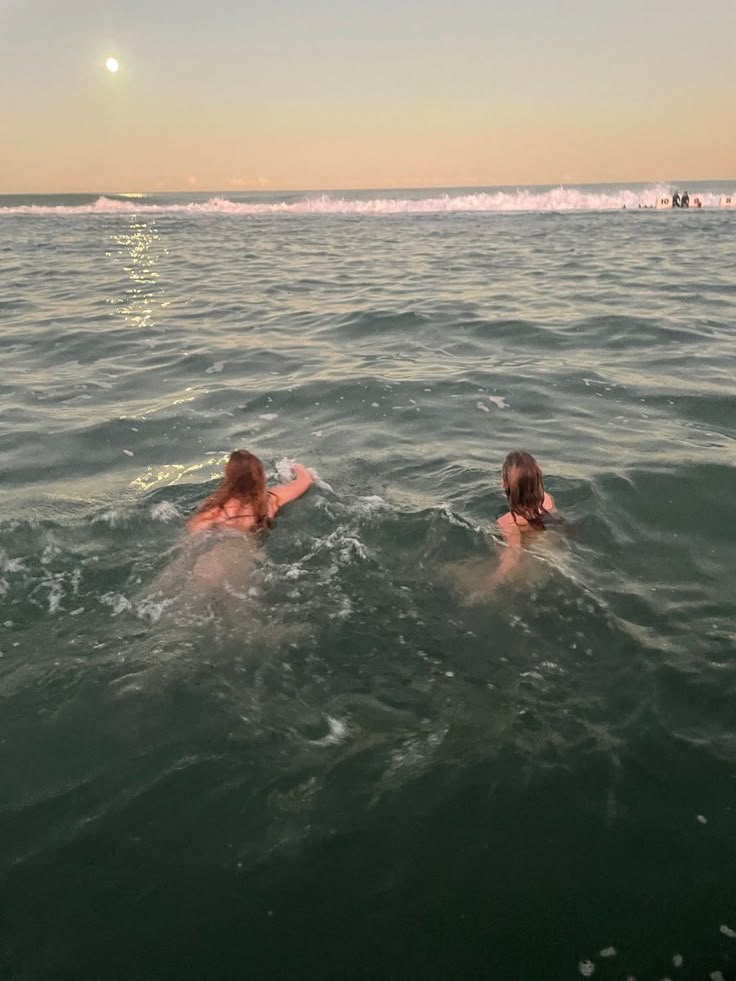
column 214, row 572
column 242, row 502
column 531, row 509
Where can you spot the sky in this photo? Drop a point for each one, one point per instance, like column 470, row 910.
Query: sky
column 288, row 94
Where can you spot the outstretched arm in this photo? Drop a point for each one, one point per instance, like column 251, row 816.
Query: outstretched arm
column 295, row 488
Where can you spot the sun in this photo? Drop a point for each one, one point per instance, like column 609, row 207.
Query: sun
column 112, row 65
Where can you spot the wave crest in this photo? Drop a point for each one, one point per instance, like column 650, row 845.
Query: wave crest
column 521, row 199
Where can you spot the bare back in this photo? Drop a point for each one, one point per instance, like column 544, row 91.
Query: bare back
column 239, row 515
column 513, row 526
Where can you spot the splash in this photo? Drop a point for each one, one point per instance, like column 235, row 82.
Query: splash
column 521, row 199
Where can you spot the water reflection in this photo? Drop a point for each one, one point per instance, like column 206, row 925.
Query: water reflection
column 139, row 251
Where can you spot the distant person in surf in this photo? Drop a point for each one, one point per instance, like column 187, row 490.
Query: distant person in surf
column 685, row 200
column 531, row 509
column 676, row 199
column 243, row 502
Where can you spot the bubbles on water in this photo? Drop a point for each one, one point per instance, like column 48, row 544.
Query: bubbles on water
column 344, row 609
column 482, row 406
column 50, row 551
column 727, row 931
column 56, row 593
column 117, row 603
column 269, row 416
column 319, row 482
column 678, row 960
column 415, row 753
column 113, row 517
column 701, row 819
column 716, row 976
column 338, row 732
column 608, row 952
column 586, row 968
column 285, row 469
column 215, row 368
column 10, row 565
column 455, row 519
column 165, row 511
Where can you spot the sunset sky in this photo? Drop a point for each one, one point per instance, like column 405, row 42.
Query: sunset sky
column 336, row 94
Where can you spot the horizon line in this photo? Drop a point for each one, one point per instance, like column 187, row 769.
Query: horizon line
column 368, row 187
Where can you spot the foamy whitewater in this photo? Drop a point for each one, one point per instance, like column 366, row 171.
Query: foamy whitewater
column 593, row 198
column 338, row 752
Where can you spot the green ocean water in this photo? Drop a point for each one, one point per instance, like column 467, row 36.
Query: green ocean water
column 345, row 769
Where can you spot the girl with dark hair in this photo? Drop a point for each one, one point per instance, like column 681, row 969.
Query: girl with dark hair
column 531, row 509
column 243, row 502
column 523, row 486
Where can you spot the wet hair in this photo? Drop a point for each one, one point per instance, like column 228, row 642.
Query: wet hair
column 245, row 480
column 524, row 487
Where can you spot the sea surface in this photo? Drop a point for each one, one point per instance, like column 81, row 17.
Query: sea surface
column 354, row 764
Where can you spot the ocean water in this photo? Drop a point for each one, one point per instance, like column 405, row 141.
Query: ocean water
column 345, row 765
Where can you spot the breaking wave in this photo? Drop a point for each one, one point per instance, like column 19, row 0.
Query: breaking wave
column 521, row 199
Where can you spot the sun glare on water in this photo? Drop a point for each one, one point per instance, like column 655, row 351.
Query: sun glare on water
column 112, row 65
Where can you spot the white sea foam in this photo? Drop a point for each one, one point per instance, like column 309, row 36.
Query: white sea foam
column 285, row 469
column 117, row 602
column 446, row 511
column 165, row 511
column 113, row 517
column 51, row 550
column 338, row 732
column 521, row 199
column 56, row 594
column 10, row 565
column 151, row 610
column 322, row 484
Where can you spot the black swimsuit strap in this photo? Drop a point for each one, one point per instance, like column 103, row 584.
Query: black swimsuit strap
column 244, row 514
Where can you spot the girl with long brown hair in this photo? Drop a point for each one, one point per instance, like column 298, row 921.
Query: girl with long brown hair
column 243, row 502
column 523, row 485
column 531, row 509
